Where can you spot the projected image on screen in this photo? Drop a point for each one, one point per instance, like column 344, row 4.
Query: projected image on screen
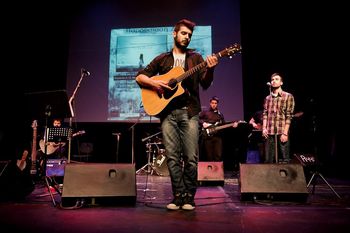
column 131, row 50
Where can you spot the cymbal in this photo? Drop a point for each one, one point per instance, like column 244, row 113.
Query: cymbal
column 153, row 143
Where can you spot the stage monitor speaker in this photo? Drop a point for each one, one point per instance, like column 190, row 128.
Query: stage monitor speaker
column 99, row 183
column 274, row 182
column 211, row 173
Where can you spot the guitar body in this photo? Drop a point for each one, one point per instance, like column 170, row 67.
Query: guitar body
column 210, row 131
column 22, row 163
column 154, row 102
column 51, row 147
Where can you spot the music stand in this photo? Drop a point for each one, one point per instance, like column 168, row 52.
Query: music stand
column 57, row 135
column 45, row 105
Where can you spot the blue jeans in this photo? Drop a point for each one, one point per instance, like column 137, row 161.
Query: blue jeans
column 180, row 138
column 282, row 150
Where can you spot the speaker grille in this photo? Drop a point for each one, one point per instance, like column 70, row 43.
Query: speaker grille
column 99, row 181
column 211, row 173
column 273, row 181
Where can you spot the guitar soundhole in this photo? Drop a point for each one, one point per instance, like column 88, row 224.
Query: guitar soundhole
column 172, row 83
column 169, row 93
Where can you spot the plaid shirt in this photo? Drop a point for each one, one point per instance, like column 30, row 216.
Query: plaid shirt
column 278, row 111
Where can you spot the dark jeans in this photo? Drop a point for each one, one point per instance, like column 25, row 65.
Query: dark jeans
column 180, row 138
column 212, row 148
column 282, row 150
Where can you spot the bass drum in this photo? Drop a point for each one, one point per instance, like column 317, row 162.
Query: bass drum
column 160, row 164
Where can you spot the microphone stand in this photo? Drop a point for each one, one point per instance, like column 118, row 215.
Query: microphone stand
column 83, row 73
column 132, row 128
column 275, row 136
column 117, row 151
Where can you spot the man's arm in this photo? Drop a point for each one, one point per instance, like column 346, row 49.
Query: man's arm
column 145, row 81
column 208, row 76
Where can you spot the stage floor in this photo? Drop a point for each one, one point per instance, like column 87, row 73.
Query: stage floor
column 218, row 209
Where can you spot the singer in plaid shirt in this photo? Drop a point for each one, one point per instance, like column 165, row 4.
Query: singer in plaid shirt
column 277, row 117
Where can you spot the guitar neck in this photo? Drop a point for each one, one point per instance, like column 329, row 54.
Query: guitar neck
column 224, row 126
column 228, row 125
column 195, row 69
column 191, row 71
column 34, row 149
column 33, row 155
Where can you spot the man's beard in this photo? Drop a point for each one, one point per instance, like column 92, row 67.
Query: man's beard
column 181, row 46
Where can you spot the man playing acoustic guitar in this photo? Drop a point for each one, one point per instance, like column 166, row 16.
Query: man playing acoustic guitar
column 54, row 150
column 179, row 119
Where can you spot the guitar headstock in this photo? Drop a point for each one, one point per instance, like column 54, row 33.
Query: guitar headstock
column 232, row 50
column 34, row 124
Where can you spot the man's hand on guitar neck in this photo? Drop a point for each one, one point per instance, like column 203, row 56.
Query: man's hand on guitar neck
column 211, row 61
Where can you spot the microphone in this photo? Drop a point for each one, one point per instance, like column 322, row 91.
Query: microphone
column 83, row 71
column 268, row 84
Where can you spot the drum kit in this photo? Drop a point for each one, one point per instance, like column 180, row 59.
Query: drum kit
column 156, row 158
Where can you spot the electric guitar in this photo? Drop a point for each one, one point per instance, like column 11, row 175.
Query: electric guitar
column 154, row 101
column 213, row 129
column 51, row 147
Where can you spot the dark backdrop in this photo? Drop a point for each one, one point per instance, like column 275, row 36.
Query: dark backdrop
column 303, row 42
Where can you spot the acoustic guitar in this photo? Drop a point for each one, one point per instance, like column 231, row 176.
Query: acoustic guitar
column 51, row 147
column 22, row 163
column 155, row 101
